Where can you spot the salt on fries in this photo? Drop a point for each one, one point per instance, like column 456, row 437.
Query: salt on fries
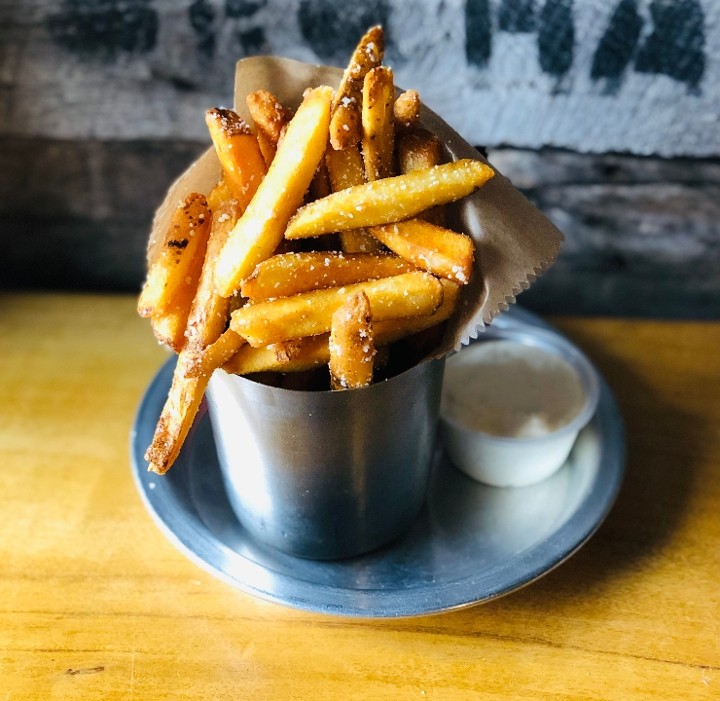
column 321, row 245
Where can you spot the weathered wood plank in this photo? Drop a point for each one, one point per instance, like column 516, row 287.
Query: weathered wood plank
column 628, row 75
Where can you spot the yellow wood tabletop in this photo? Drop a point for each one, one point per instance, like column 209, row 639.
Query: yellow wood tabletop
column 96, row 603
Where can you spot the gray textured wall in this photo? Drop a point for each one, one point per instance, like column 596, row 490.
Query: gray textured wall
column 607, row 113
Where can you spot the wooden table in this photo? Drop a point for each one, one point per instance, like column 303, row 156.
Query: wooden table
column 95, row 603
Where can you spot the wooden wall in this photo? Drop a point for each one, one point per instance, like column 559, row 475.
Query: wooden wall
column 607, row 114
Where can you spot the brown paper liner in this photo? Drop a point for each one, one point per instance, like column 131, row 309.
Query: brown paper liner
column 515, row 242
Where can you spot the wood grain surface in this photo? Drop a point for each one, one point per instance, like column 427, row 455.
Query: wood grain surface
column 95, row 603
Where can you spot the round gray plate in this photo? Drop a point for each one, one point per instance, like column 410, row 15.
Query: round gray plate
column 470, row 544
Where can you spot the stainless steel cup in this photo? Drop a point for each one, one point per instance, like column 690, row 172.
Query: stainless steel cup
column 327, row 474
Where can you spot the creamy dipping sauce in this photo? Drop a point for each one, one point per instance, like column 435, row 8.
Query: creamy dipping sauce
column 509, row 389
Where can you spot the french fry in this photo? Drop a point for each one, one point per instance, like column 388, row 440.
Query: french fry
column 313, row 351
column 320, row 184
column 390, row 199
column 417, row 150
column 209, row 312
column 176, row 418
column 344, row 124
column 346, row 168
column 433, row 248
column 351, row 347
column 238, row 152
column 289, row 356
column 378, row 130
column 310, row 313
column 173, row 275
column 169, row 326
column 287, row 274
column 394, row 329
column 270, row 119
column 221, row 196
column 260, row 229
column 204, row 361
column 406, row 110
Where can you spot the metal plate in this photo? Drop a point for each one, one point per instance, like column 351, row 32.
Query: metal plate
column 470, row 544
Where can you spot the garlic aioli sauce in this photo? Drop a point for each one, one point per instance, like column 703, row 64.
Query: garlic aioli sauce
column 508, row 389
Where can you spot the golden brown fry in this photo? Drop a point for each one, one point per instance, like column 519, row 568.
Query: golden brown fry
column 320, row 185
column 440, row 251
column 238, row 152
column 202, row 362
column 209, row 312
column 406, row 109
column 291, row 273
column 270, row 119
column 345, row 122
column 260, row 228
column 313, row 351
column 290, row 356
column 417, row 150
column 173, row 275
column 176, row 418
column 221, row 196
column 345, row 125
column 378, row 130
column 169, row 327
column 351, row 347
column 346, row 168
column 394, row 329
column 310, row 313
column 390, row 199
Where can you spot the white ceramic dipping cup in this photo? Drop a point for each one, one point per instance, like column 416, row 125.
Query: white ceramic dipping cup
column 513, row 404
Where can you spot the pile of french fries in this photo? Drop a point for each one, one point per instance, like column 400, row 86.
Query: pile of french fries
column 323, row 244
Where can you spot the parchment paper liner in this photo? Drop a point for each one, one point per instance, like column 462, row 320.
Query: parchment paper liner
column 515, row 242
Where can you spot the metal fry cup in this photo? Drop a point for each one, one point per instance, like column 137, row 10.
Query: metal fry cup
column 321, row 474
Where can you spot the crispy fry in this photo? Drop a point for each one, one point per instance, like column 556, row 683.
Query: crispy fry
column 270, row 119
column 395, row 329
column 314, row 351
column 176, row 418
column 260, row 228
column 221, row 196
column 205, row 360
column 345, row 125
column 433, row 248
column 406, row 109
column 378, row 130
column 320, row 184
column 417, row 150
column 169, row 327
column 389, row 200
column 238, row 152
column 289, row 356
column 345, row 169
column 291, row 273
column 345, row 121
column 352, row 347
column 209, row 312
column 174, row 273
column 310, row 313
